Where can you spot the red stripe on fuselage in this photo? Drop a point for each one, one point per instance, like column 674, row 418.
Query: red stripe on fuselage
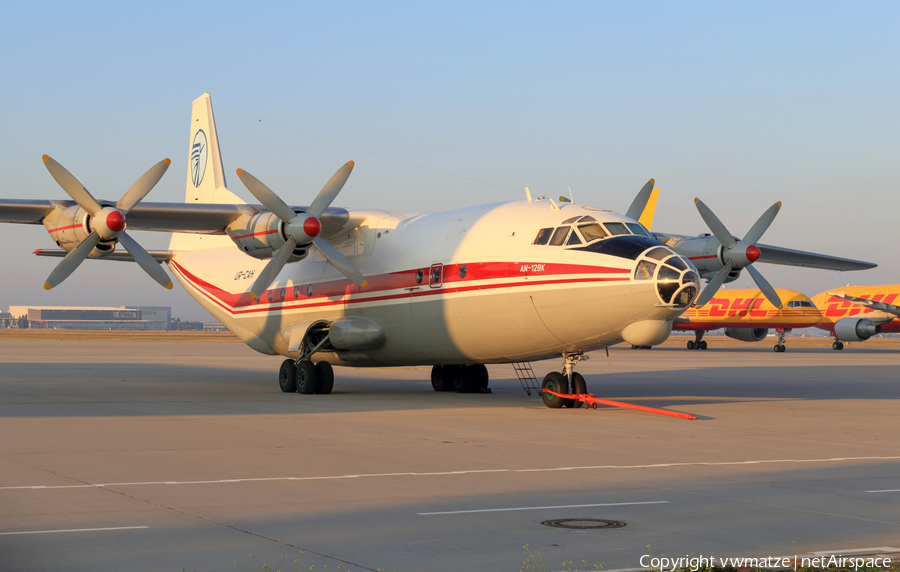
column 325, row 292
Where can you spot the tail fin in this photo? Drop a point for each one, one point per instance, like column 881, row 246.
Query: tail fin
column 646, row 217
column 206, row 176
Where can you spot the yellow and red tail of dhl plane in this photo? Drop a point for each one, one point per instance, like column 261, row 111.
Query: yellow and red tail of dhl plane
column 750, row 309
column 833, row 309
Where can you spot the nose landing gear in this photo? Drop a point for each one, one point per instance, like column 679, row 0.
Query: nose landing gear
column 560, row 382
column 780, row 347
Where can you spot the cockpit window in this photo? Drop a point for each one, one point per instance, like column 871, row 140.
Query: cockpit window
column 559, row 237
column 616, row 228
column 543, row 236
column 629, row 247
column 644, row 270
column 677, row 262
column 573, row 239
column 637, row 228
column 570, row 220
column 800, row 304
column 587, row 219
column 660, row 253
column 592, row 232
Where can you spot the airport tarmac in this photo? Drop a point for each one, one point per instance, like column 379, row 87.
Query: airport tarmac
column 171, row 456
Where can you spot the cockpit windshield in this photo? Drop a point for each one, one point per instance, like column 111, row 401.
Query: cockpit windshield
column 592, row 232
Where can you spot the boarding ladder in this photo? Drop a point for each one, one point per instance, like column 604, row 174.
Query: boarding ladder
column 526, row 377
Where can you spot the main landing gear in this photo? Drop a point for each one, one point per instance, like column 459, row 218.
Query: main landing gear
column 697, row 343
column 305, row 377
column 301, row 374
column 460, row 378
column 560, row 382
column 780, row 347
column 837, row 345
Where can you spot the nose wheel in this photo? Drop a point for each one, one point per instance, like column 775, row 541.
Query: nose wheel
column 560, row 382
column 837, row 345
column 779, row 348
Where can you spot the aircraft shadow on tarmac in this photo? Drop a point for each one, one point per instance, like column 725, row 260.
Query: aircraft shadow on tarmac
column 161, row 389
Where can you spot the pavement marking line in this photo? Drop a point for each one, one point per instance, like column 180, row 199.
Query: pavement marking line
column 73, row 530
column 885, row 491
column 471, row 472
column 542, row 507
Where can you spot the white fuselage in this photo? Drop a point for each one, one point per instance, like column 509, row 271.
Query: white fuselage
column 464, row 286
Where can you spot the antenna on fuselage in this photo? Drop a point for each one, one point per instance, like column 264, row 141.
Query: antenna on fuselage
column 570, row 196
column 528, row 194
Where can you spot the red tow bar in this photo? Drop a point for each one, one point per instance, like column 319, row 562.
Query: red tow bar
column 591, row 401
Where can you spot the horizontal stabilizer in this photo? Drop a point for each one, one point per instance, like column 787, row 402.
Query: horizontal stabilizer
column 789, row 257
column 158, row 255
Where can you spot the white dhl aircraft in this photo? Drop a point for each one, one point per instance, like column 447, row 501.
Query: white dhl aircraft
column 497, row 283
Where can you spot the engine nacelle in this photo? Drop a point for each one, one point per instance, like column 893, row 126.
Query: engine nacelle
column 68, row 226
column 261, row 235
column 747, row 334
column 855, row 329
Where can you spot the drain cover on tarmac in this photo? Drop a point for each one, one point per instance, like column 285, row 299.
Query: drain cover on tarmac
column 583, row 523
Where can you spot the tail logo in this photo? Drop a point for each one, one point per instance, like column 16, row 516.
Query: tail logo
column 198, row 158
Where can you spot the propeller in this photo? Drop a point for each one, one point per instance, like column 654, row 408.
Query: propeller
column 738, row 253
column 106, row 223
column 301, row 229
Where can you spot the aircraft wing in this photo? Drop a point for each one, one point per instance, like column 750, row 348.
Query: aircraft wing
column 789, row 257
column 880, row 306
column 158, row 255
column 200, row 218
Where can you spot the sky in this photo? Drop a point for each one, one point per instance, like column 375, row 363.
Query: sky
column 446, row 105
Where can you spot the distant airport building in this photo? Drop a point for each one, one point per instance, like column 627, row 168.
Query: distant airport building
column 88, row 318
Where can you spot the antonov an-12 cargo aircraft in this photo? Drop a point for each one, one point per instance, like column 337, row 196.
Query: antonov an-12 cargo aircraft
column 323, row 285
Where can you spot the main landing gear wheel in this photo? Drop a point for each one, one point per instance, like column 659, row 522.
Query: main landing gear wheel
column 578, row 386
column 482, row 379
column 554, row 381
column 287, row 376
column 440, row 378
column 306, row 377
column 463, row 378
column 698, row 343
column 837, row 346
column 325, row 377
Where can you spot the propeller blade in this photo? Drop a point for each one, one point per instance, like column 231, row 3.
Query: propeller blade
column 715, row 225
column 340, row 261
column 331, row 189
column 265, row 195
column 72, row 260
column 765, row 287
column 640, row 201
column 143, row 186
column 145, row 261
column 713, row 285
column 270, row 272
column 762, row 225
column 72, row 187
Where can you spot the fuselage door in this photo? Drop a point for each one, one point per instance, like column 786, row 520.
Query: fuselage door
column 436, row 276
